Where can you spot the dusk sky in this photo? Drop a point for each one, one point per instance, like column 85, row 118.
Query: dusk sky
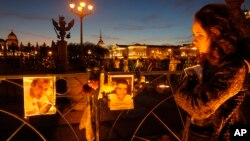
column 154, row 22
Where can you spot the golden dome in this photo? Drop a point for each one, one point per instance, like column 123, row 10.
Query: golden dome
column 12, row 39
column 12, row 36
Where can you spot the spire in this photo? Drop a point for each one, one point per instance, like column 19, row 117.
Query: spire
column 100, row 42
column 100, row 34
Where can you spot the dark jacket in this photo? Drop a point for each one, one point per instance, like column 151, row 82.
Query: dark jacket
column 212, row 102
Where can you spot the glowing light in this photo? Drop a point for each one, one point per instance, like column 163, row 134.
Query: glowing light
column 79, row 8
column 193, row 48
column 163, row 86
column 89, row 52
column 90, row 7
column 82, row 4
column 72, row 5
column 50, row 53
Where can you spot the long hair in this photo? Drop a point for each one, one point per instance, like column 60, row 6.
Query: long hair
column 228, row 39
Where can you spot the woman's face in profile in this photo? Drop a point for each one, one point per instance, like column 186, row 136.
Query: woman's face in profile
column 201, row 39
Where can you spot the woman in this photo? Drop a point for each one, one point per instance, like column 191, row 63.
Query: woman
column 212, row 91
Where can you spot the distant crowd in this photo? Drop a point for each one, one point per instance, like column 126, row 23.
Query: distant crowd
column 48, row 65
column 151, row 64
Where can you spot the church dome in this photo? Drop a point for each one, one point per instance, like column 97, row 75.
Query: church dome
column 12, row 36
column 12, row 39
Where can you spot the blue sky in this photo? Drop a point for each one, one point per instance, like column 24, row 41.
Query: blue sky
column 153, row 22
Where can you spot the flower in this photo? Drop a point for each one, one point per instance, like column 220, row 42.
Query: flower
column 94, row 84
column 91, row 85
column 107, row 88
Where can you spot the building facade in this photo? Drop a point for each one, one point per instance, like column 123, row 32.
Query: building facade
column 151, row 51
column 7, row 46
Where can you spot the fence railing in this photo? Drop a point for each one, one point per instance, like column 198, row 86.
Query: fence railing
column 70, row 105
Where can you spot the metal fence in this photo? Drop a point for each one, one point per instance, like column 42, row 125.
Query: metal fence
column 71, row 103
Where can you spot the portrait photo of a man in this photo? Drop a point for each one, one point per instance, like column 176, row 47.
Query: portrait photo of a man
column 39, row 95
column 121, row 97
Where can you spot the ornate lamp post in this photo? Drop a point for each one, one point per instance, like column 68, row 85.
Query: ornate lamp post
column 82, row 8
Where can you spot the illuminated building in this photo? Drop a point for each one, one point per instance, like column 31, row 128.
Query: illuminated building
column 152, row 51
column 247, row 14
column 5, row 45
column 2, row 45
column 12, row 39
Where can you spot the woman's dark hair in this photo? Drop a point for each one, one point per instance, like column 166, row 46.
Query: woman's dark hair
column 227, row 37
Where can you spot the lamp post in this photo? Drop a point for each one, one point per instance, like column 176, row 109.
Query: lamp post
column 82, row 8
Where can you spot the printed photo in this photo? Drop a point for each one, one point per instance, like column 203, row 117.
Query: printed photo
column 39, row 96
column 121, row 97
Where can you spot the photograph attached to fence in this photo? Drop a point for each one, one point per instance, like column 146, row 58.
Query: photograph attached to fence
column 39, row 96
column 121, row 98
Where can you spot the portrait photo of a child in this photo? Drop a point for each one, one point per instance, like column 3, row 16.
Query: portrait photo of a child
column 39, row 95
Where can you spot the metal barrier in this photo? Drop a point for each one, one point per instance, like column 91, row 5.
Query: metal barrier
column 12, row 83
column 63, row 114
column 171, row 78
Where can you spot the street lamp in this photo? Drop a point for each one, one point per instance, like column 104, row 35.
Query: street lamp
column 82, row 8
